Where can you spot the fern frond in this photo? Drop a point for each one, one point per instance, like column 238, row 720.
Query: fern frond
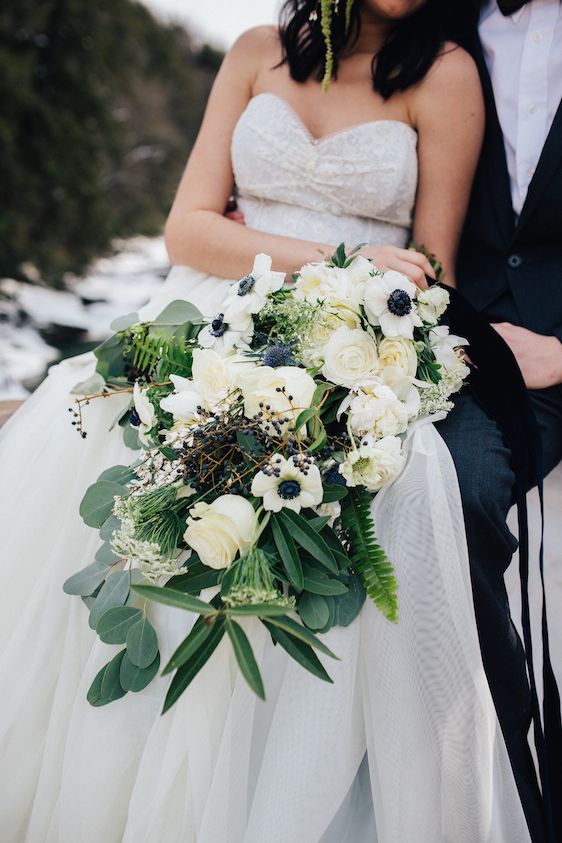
column 151, row 353
column 367, row 556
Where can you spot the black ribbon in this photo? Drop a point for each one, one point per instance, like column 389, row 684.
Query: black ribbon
column 498, row 384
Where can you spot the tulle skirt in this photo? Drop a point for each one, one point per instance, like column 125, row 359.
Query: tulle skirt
column 404, row 745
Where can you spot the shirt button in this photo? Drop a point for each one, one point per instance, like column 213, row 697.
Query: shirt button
column 514, row 261
column 531, row 172
column 538, row 37
column 532, row 107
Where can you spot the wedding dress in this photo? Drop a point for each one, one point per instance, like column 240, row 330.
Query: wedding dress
column 404, row 746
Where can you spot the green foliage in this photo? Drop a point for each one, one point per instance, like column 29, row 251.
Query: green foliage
column 97, row 503
column 245, row 657
column 367, row 557
column 100, row 105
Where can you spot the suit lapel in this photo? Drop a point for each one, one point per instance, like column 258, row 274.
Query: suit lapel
column 550, row 158
column 493, row 153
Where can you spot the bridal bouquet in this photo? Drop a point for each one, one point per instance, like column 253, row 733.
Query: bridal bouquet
column 263, row 436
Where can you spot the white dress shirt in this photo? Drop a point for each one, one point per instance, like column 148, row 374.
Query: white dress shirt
column 524, row 57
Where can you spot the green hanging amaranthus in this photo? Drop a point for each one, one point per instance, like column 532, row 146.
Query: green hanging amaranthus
column 327, row 7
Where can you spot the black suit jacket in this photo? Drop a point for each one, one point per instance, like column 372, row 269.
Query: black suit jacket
column 501, row 258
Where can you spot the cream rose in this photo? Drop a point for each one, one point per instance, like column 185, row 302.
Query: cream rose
column 350, row 356
column 212, row 377
column 286, row 390
column 333, row 317
column 221, row 530
column 373, row 464
column 432, row 304
column 398, row 354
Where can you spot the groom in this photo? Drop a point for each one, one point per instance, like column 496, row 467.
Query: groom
column 510, row 268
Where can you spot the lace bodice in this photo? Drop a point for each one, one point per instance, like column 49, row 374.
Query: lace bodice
column 357, row 185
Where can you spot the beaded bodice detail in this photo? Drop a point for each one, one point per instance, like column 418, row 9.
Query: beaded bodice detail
column 357, row 185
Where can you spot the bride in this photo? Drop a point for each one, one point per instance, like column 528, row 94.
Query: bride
column 405, row 745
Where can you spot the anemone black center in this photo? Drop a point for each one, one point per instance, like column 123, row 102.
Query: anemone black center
column 289, row 489
column 399, row 303
column 246, row 285
column 218, row 325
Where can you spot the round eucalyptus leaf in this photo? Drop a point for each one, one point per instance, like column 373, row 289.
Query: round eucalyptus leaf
column 109, row 527
column 114, row 592
column 134, row 678
column 86, row 581
column 313, row 610
column 111, row 688
column 106, row 556
column 349, row 605
column 114, row 624
column 120, row 474
column 97, row 504
column 142, row 643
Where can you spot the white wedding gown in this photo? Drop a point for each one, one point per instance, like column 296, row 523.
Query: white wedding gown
column 404, row 747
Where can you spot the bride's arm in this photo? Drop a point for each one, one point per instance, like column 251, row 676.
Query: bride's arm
column 448, row 110
column 197, row 234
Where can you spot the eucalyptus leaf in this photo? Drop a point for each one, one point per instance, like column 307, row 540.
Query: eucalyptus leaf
column 331, row 604
column 98, row 502
column 94, row 695
column 178, row 312
column 121, row 474
column 114, row 624
column 124, row 322
column 95, row 383
column 106, row 556
column 111, row 688
column 299, row 651
column 245, row 657
column 114, row 592
column 348, row 606
column 86, row 581
column 109, row 354
column 313, row 610
column 171, row 597
column 131, row 438
column 134, row 678
column 109, row 527
column 142, row 643
column 187, row 673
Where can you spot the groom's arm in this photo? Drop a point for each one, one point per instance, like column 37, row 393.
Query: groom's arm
column 539, row 357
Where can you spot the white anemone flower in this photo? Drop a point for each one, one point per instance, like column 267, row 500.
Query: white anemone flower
column 293, row 483
column 145, row 412
column 186, row 403
column 249, row 294
column 227, row 331
column 389, row 302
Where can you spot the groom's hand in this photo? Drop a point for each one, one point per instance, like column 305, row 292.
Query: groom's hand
column 539, row 357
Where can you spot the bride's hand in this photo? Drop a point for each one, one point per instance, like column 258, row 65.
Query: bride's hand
column 410, row 263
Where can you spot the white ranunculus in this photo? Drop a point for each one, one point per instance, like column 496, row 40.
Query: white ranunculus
column 350, row 356
column 293, row 483
column 213, row 377
column 221, row 530
column 316, row 282
column 287, row 390
column 359, row 271
column 249, row 294
column 398, row 354
column 375, row 409
column 227, row 331
column 389, row 302
column 186, row 402
column 432, row 303
column 373, row 464
column 145, row 412
column 443, row 345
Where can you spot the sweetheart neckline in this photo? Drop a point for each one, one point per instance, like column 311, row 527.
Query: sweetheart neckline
column 314, row 141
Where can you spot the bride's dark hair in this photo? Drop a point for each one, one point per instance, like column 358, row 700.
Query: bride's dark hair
column 410, row 49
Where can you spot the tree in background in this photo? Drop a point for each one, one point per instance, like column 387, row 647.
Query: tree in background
column 100, row 105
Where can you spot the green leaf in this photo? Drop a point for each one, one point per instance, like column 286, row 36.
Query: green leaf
column 319, row 522
column 106, row 556
column 367, row 557
column 114, row 592
column 121, row 474
column 111, row 363
column 171, row 597
column 308, row 538
column 334, row 493
column 288, row 553
column 196, row 578
column 178, row 312
column 114, row 624
column 350, row 604
column 97, row 504
column 109, row 527
column 87, row 580
column 142, row 643
column 124, row 322
column 297, row 630
column 318, row 583
column 95, row 383
column 191, row 643
column 187, row 673
column 249, row 442
column 304, row 417
column 318, row 431
column 94, row 695
column 298, row 650
column 134, row 678
column 265, row 610
column 245, row 657
column 313, row 610
column 331, row 604
column 131, row 438
column 111, row 688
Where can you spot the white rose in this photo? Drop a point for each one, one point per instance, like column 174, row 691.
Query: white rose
column 375, row 409
column 212, row 377
column 350, row 356
column 219, row 531
column 373, row 464
column 145, row 412
column 287, row 390
column 332, row 318
column 389, row 302
column 399, row 354
column 186, row 402
column 432, row 303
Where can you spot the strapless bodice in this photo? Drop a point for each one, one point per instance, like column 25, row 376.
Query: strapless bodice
column 357, row 185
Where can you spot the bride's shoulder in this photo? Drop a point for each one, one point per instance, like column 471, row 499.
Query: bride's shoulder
column 257, row 44
column 453, row 71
